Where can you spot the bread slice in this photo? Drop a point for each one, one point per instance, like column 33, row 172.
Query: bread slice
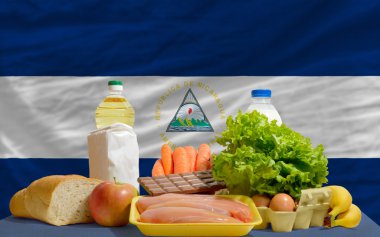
column 57, row 200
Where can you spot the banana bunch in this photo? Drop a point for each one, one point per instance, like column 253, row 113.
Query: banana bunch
column 343, row 211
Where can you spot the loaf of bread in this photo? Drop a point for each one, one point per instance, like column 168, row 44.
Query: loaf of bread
column 57, row 200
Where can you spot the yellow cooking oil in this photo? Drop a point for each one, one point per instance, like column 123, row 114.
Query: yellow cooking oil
column 115, row 108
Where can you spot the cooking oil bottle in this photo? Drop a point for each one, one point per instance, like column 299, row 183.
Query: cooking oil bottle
column 115, row 108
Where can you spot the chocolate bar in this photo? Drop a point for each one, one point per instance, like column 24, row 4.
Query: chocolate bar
column 196, row 182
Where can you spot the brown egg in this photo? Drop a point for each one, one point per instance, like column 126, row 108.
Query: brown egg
column 261, row 200
column 282, row 202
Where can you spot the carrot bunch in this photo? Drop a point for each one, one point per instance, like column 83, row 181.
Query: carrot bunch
column 182, row 160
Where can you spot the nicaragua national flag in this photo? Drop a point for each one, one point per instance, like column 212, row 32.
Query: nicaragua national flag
column 321, row 60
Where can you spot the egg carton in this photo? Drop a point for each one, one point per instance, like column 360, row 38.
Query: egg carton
column 311, row 211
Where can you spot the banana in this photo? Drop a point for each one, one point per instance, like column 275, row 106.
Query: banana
column 350, row 218
column 341, row 201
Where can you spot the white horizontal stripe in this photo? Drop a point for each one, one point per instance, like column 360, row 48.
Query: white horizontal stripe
column 47, row 117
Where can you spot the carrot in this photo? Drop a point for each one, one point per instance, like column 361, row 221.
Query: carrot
column 181, row 161
column 192, row 156
column 158, row 169
column 167, row 159
column 203, row 157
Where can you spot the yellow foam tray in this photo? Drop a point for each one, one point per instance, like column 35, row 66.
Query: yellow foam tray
column 197, row 229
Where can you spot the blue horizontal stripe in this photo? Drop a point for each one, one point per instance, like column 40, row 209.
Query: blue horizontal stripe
column 189, row 38
column 360, row 176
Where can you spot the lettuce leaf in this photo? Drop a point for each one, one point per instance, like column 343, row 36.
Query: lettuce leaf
column 261, row 157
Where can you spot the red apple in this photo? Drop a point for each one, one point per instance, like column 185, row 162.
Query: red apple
column 110, row 203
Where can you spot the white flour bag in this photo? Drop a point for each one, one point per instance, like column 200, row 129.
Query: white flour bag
column 114, row 154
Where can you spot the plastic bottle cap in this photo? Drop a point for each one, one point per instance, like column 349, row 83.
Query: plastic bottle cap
column 261, row 93
column 113, row 83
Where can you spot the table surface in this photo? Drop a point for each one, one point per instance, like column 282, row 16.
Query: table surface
column 12, row 226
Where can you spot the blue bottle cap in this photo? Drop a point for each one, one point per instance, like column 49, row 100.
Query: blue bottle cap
column 261, row 93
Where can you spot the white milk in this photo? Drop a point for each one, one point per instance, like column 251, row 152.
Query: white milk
column 114, row 154
column 261, row 102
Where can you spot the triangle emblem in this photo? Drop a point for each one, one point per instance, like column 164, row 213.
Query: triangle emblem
column 190, row 117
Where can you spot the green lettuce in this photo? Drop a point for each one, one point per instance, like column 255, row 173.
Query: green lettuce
column 261, row 157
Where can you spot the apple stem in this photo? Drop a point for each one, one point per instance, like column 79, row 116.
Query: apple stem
column 114, row 180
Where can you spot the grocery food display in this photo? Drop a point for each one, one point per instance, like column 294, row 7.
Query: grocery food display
column 267, row 173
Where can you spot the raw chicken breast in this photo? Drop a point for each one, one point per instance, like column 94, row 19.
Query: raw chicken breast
column 184, row 215
column 236, row 209
column 144, row 202
column 207, row 202
column 186, row 203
